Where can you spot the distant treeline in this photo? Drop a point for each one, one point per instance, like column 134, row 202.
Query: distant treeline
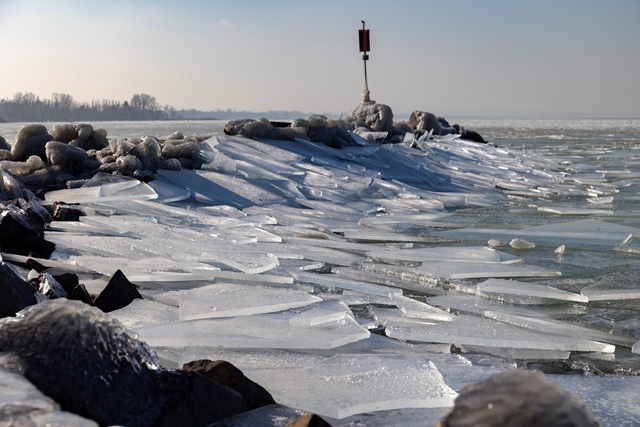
column 27, row 107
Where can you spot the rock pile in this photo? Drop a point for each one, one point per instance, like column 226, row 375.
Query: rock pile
column 372, row 121
column 41, row 159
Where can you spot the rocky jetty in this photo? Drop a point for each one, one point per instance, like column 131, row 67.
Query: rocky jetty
column 372, row 121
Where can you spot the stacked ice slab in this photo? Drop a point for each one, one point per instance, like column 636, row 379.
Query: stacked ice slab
column 283, row 256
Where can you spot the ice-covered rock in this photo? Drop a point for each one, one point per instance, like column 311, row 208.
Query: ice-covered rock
column 518, row 398
column 425, row 121
column 32, row 164
column 31, row 140
column 64, row 133
column 91, row 365
column 378, row 116
column 521, row 244
column 148, row 152
column 69, row 159
column 23, row 405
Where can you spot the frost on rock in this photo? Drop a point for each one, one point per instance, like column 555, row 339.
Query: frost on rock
column 91, row 365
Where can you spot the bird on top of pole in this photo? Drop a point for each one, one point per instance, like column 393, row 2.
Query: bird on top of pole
column 365, row 46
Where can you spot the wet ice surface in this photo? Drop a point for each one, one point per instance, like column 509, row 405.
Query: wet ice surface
column 301, row 247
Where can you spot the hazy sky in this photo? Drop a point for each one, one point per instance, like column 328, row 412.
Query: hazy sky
column 448, row 57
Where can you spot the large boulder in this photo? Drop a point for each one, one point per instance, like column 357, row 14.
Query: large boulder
column 31, row 140
column 517, row 398
column 378, row 116
column 64, row 133
column 92, row 366
column 70, row 159
column 425, row 121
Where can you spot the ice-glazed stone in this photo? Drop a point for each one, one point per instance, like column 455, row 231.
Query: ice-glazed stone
column 91, row 365
column 559, row 250
column 518, row 398
column 521, row 244
column 23, row 405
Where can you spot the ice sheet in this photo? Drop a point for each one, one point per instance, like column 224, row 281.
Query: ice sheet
column 127, row 190
column 471, row 270
column 331, row 280
column 471, row 254
column 227, row 300
column 528, row 289
column 258, row 331
column 471, row 330
column 559, row 327
column 345, row 385
column 142, row 312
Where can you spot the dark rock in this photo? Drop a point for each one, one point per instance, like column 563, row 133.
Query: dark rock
column 20, row 234
column 100, row 139
column 68, row 281
column 175, row 136
column 423, row 120
column 3, row 144
column 458, row 128
column 118, row 293
column 79, row 293
column 204, row 402
column 64, row 212
column 443, row 122
column 517, row 398
column 309, row 420
column 224, row 373
column 64, row 133
column 92, row 366
column 15, row 293
column 403, row 127
column 378, row 116
column 33, row 264
column 37, row 212
column 143, row 175
column 472, row 135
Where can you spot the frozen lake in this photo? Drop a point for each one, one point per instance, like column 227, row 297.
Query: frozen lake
column 384, row 278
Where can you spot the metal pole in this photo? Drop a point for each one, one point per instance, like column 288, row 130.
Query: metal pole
column 364, row 47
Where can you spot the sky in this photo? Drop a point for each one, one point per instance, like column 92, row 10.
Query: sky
column 565, row 58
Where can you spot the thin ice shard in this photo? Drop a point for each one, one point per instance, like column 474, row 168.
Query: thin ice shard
column 258, row 331
column 345, row 385
column 528, row 289
column 457, row 270
column 332, row 280
column 226, row 300
column 471, row 254
column 471, row 330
